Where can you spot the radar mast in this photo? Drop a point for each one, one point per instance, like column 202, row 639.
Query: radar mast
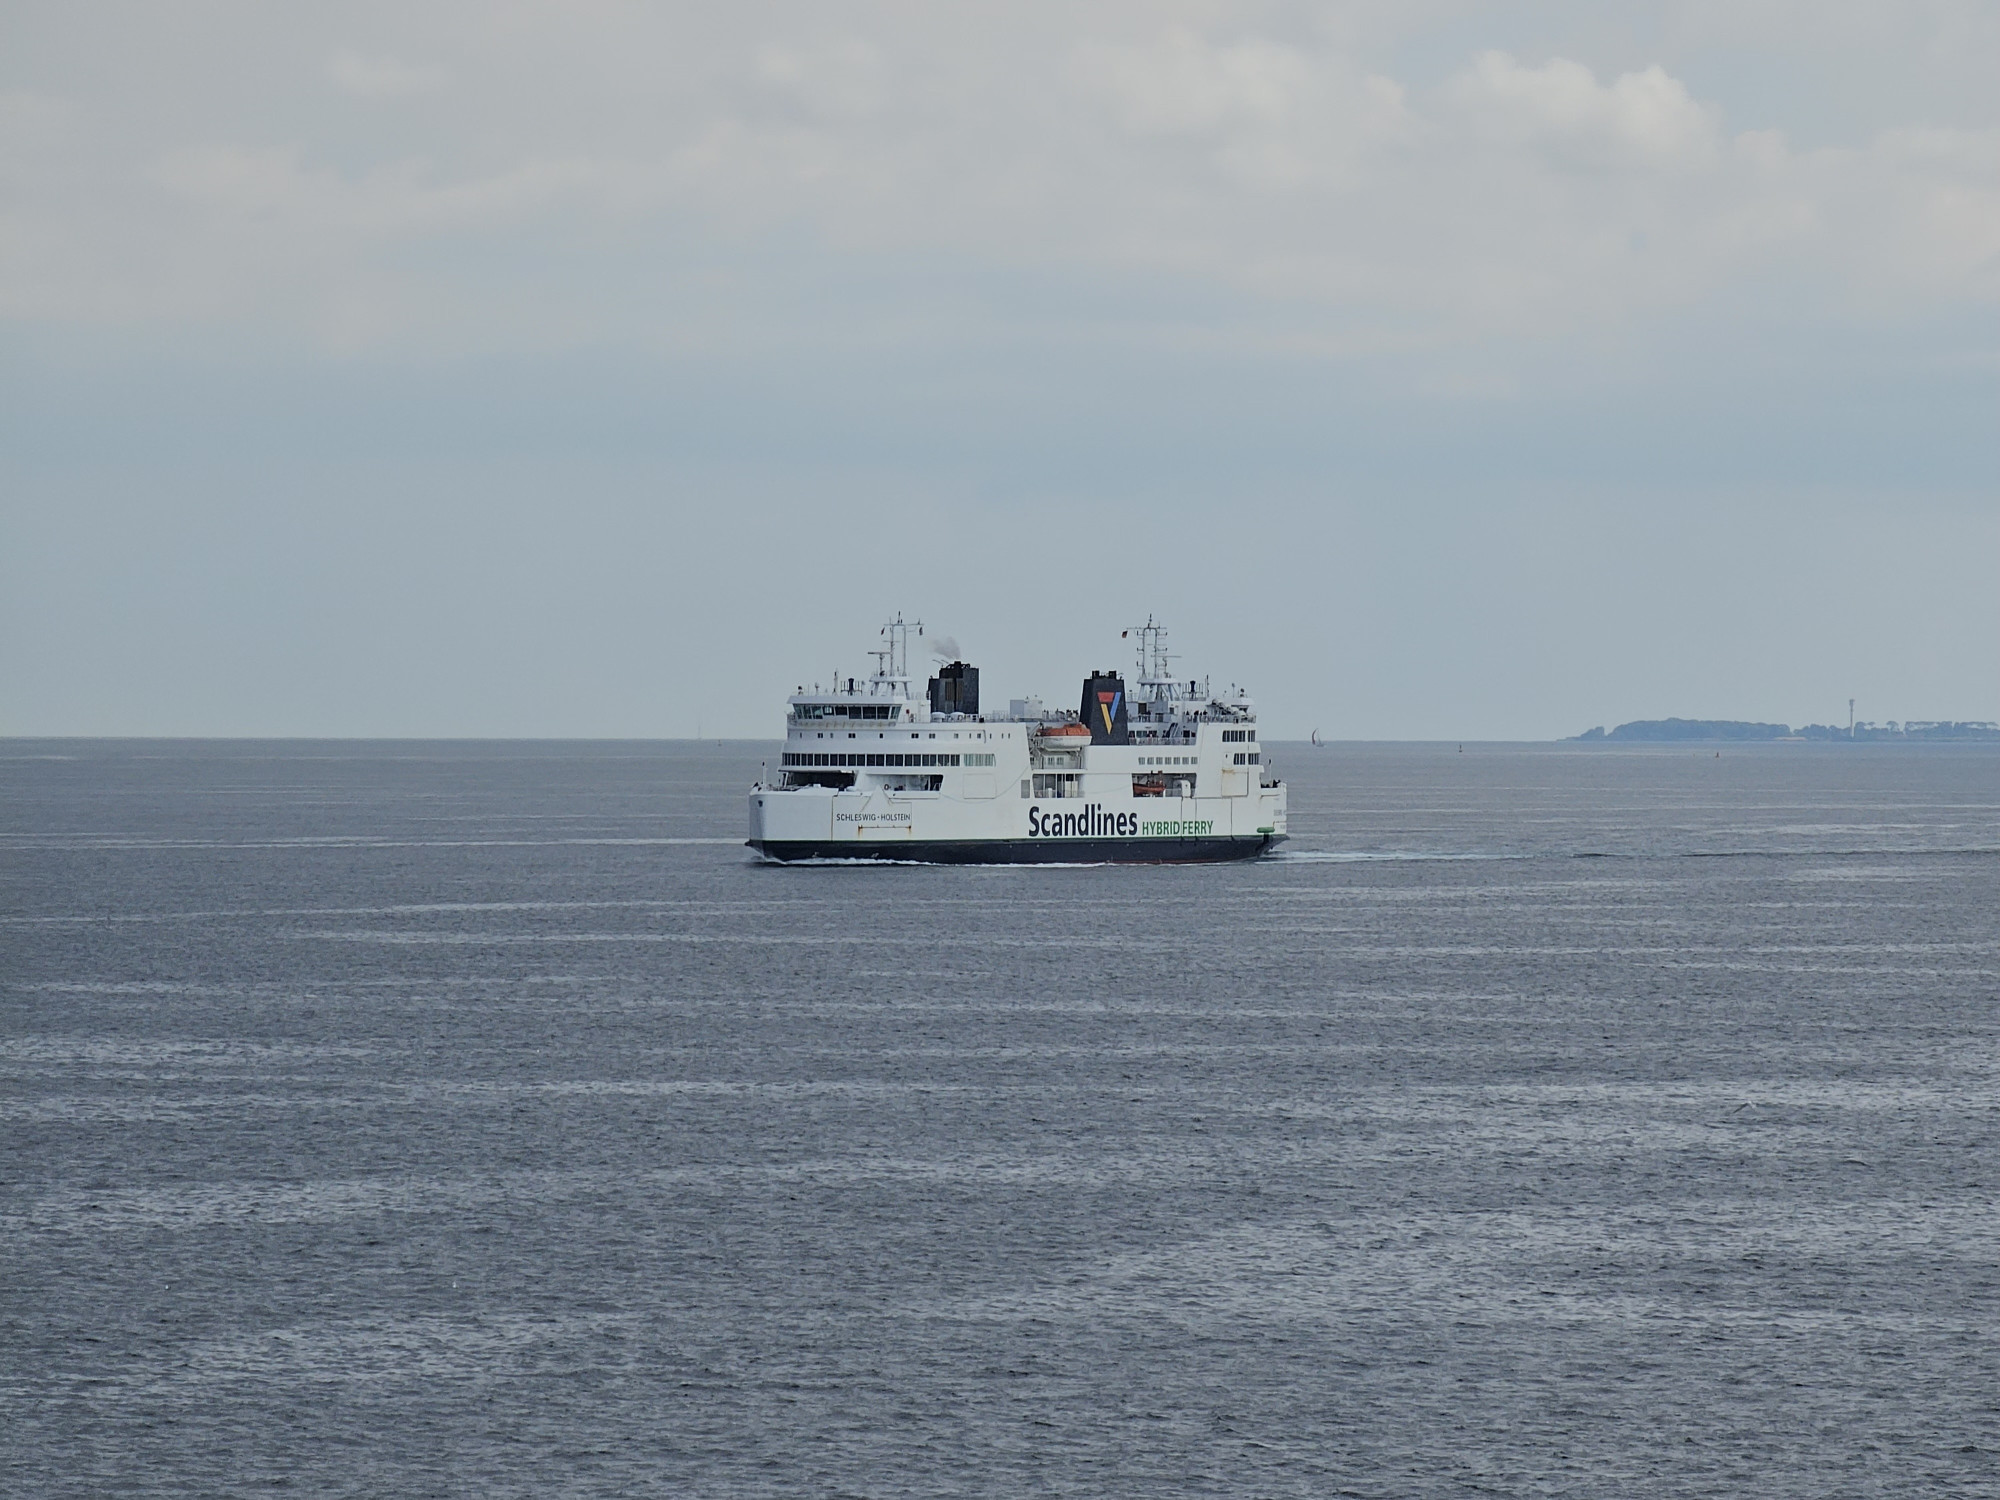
column 892, row 658
column 1155, row 663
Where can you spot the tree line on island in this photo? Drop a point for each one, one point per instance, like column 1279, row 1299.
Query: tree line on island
column 1661, row 731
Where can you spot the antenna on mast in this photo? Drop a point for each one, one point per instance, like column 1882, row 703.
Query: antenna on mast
column 1154, row 661
column 892, row 661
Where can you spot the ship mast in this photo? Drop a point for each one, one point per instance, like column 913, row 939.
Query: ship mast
column 892, row 659
column 1154, row 663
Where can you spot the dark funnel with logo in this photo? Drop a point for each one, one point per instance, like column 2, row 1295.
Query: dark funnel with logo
column 1104, row 708
column 955, row 690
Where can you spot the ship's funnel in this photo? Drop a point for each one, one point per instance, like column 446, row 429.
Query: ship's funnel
column 955, row 690
column 1104, row 708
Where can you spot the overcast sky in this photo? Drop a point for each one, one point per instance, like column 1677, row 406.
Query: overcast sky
column 1434, row 369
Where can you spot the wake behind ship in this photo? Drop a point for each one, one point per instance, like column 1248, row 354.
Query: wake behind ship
column 1161, row 770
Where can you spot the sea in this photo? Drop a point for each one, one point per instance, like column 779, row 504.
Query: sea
column 408, row 1119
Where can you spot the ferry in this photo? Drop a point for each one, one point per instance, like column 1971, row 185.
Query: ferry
column 1160, row 769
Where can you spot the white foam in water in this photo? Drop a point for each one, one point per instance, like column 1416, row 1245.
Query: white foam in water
column 1369, row 856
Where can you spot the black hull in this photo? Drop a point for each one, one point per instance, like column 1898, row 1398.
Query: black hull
column 1025, row 851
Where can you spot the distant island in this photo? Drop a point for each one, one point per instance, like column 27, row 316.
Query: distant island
column 1667, row 731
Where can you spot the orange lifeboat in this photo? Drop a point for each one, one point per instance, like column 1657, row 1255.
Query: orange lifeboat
column 1063, row 736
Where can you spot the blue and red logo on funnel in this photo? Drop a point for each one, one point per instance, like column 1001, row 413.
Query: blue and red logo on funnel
column 1107, row 706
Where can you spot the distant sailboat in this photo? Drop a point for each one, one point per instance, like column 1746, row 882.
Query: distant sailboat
column 1316, row 744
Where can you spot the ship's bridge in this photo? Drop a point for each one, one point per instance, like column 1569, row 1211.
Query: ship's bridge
column 809, row 709
column 882, row 697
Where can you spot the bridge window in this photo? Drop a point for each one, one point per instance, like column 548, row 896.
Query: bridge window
column 890, row 711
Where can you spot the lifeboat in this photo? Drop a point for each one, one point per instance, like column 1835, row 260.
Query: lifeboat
column 1063, row 736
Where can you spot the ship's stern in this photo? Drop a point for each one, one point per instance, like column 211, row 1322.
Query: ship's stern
column 1271, row 805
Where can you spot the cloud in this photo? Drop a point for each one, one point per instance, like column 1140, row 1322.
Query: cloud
column 1182, row 85
column 1639, row 120
column 838, row 81
column 399, row 200
column 1945, row 185
column 383, row 77
column 1300, row 188
column 1266, row 114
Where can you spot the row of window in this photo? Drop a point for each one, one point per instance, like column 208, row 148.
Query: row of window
column 810, row 758
column 915, row 734
column 1238, row 737
column 1166, row 760
column 847, row 711
column 1252, row 759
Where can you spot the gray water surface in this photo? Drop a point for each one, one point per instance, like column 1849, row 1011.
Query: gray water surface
column 475, row 1118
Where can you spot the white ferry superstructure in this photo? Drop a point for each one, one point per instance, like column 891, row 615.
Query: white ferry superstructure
column 1164, row 771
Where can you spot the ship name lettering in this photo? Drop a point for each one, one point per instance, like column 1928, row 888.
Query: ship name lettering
column 1090, row 821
